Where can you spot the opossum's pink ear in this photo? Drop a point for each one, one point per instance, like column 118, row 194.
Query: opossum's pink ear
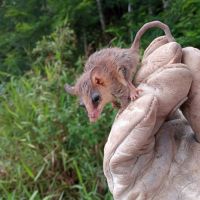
column 70, row 89
column 98, row 77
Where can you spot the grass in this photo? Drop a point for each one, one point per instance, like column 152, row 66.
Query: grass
column 48, row 150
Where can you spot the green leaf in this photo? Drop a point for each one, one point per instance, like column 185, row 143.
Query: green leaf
column 28, row 170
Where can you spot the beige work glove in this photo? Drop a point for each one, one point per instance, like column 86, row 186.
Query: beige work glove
column 146, row 157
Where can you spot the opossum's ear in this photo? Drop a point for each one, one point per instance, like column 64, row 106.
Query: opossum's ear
column 70, row 89
column 98, row 77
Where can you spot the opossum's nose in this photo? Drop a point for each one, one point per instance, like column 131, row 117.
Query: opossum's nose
column 94, row 115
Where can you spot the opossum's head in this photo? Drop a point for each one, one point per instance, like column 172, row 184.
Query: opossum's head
column 93, row 92
column 101, row 77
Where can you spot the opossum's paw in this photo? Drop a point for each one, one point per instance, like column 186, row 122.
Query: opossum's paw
column 134, row 93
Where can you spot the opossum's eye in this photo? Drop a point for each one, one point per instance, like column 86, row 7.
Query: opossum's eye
column 96, row 98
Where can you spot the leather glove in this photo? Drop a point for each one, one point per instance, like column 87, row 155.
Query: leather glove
column 146, row 157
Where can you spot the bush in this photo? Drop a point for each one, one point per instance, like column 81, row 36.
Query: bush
column 48, row 148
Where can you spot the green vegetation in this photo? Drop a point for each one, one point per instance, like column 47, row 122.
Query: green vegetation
column 48, row 149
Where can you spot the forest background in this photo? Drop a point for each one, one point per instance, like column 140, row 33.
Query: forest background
column 48, row 149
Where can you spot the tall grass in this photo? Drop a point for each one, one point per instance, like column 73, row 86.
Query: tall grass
column 48, row 150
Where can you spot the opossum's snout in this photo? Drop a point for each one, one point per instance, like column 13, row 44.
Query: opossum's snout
column 95, row 111
column 94, row 115
column 92, row 103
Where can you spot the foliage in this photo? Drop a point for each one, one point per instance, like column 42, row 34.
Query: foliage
column 23, row 24
column 46, row 141
column 56, row 48
column 48, row 150
column 185, row 16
